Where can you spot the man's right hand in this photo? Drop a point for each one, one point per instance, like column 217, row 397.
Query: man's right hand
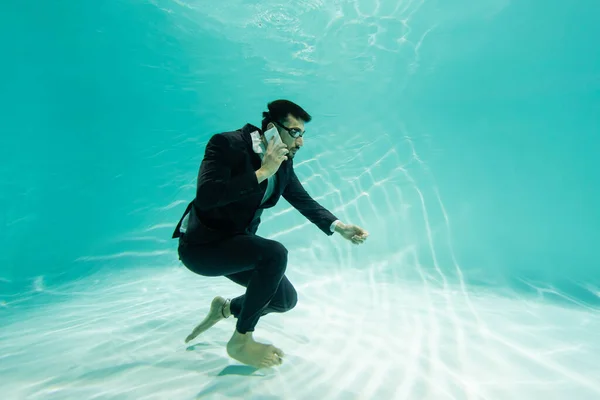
column 274, row 156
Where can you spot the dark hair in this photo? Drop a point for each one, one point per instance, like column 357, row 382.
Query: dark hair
column 279, row 111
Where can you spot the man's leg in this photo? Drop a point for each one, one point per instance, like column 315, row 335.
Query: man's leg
column 266, row 261
column 285, row 297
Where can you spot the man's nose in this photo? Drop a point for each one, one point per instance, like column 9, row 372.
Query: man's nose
column 299, row 142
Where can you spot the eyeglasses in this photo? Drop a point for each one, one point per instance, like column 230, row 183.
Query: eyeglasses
column 294, row 132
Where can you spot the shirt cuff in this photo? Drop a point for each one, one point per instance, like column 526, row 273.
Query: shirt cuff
column 334, row 224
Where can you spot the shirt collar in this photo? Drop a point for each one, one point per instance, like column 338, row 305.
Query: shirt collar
column 257, row 143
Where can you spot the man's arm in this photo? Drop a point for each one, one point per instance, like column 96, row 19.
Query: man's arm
column 216, row 187
column 297, row 196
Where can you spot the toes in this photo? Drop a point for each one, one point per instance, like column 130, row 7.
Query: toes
column 276, row 359
column 191, row 336
column 276, row 356
column 271, row 362
column 279, row 352
column 267, row 363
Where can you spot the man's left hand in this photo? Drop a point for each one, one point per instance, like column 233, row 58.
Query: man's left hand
column 353, row 233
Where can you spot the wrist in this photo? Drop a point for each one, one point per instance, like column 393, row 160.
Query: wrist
column 339, row 227
column 261, row 174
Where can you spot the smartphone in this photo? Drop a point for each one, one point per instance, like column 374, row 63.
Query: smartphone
column 272, row 133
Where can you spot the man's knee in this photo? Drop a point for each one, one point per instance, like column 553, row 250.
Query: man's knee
column 277, row 254
column 278, row 251
column 291, row 298
column 285, row 300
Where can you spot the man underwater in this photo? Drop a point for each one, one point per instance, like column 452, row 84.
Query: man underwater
column 242, row 174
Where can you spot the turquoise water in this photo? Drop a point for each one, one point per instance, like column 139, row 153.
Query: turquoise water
column 463, row 137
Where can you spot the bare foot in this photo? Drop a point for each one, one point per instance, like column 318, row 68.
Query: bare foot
column 219, row 309
column 243, row 348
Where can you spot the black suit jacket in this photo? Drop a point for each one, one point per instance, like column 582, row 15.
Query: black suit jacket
column 228, row 194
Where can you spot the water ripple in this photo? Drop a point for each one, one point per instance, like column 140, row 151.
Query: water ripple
column 350, row 336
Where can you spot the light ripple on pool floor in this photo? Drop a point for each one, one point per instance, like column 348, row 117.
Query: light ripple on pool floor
column 350, row 337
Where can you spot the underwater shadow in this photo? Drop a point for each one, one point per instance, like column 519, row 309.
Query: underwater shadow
column 233, row 381
column 243, row 370
column 230, row 384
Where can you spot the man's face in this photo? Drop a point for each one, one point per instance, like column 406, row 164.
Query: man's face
column 291, row 127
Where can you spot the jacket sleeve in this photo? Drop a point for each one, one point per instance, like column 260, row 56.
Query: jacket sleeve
column 216, row 187
column 299, row 198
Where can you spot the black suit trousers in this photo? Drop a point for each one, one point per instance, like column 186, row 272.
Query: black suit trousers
column 249, row 260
